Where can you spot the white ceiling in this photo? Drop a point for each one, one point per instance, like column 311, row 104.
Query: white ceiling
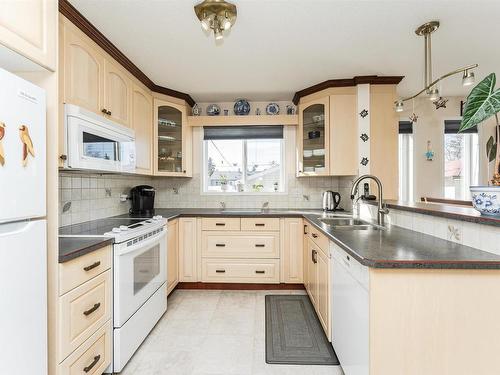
column 278, row 47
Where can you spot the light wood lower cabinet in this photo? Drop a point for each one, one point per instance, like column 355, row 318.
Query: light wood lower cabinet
column 220, row 223
column 240, row 244
column 260, row 224
column 317, row 280
column 93, row 356
column 293, row 257
column 188, row 249
column 172, row 255
column 85, row 310
column 240, row 270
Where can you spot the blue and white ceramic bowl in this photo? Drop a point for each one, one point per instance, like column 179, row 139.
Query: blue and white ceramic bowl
column 213, row 110
column 241, row 107
column 486, row 199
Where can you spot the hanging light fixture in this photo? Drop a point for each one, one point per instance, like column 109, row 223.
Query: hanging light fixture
column 217, row 15
column 430, row 88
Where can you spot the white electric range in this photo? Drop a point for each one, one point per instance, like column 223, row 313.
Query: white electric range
column 139, row 277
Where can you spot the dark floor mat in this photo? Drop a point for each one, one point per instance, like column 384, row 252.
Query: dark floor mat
column 294, row 335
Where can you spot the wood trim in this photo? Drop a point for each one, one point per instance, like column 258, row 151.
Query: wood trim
column 239, row 286
column 358, row 80
column 72, row 14
column 446, row 201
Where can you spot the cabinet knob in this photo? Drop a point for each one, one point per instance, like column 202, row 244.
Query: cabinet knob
column 105, row 111
column 184, row 171
column 63, row 157
column 109, row 113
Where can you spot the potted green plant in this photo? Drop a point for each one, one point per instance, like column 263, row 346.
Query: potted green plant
column 483, row 102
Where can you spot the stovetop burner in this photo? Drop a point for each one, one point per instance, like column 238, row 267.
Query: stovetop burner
column 97, row 227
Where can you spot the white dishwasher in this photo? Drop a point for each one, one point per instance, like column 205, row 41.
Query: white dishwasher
column 350, row 312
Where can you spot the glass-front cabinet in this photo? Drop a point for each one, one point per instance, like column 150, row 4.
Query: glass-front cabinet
column 312, row 138
column 172, row 140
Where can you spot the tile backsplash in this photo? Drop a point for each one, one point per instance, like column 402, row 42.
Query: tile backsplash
column 84, row 196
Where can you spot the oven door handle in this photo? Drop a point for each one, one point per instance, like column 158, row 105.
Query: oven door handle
column 124, row 249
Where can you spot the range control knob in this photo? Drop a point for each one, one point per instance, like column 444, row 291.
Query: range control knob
column 123, row 227
column 116, row 230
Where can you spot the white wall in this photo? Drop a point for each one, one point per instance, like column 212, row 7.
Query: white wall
column 429, row 175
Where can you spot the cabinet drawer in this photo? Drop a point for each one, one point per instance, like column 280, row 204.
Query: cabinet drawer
column 240, row 244
column 79, row 270
column 93, row 356
column 254, row 223
column 82, row 311
column 318, row 238
column 241, row 270
column 220, row 223
column 355, row 268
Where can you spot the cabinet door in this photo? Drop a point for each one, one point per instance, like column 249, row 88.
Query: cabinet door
column 29, row 28
column 83, row 71
column 172, row 255
column 343, row 135
column 142, row 123
column 323, row 290
column 293, row 252
column 312, row 272
column 117, row 93
column 172, row 140
column 313, row 138
column 187, row 249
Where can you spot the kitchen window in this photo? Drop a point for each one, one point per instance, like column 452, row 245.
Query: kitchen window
column 243, row 160
column 461, row 160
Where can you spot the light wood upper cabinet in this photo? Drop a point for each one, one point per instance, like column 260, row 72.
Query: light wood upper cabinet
column 83, row 71
column 172, row 140
column 117, row 93
column 29, row 28
column 343, row 150
column 188, row 267
column 172, row 255
column 142, row 123
column 313, row 138
column 293, row 251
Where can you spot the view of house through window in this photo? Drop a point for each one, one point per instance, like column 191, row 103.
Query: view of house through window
column 243, row 165
column 461, row 161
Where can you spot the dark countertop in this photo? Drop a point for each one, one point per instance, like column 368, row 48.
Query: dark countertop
column 395, row 247
column 448, row 211
column 74, row 247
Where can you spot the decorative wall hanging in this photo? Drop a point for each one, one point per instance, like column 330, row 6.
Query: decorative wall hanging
column 430, row 88
column 241, row 107
column 440, row 103
column 462, row 106
column 429, row 154
column 2, row 133
column 27, row 144
column 364, row 161
column 364, row 137
column 413, row 117
column 363, row 113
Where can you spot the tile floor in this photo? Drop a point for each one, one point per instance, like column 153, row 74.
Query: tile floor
column 213, row 333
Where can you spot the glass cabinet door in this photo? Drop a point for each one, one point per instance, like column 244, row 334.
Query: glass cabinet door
column 169, row 139
column 314, row 139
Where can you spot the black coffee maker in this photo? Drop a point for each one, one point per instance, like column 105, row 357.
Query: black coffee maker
column 143, row 200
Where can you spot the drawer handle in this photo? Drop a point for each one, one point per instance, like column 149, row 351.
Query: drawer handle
column 91, row 310
column 314, row 256
column 220, row 224
column 94, row 362
column 260, row 225
column 220, row 245
column 305, row 228
column 314, row 235
column 92, row 266
column 257, row 271
column 220, row 271
column 260, row 245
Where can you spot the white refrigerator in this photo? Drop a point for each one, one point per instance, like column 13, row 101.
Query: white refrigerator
column 23, row 242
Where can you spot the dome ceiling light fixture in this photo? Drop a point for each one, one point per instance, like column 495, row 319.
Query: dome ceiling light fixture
column 430, row 88
column 218, row 15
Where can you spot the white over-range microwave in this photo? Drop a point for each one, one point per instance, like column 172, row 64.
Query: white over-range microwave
column 95, row 143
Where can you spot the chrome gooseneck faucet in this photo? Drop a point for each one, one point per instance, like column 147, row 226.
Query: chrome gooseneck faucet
column 382, row 209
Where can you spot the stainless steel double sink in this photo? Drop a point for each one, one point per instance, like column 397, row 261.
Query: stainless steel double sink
column 345, row 223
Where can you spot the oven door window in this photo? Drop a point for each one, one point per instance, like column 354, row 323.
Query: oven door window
column 146, row 268
column 98, row 147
